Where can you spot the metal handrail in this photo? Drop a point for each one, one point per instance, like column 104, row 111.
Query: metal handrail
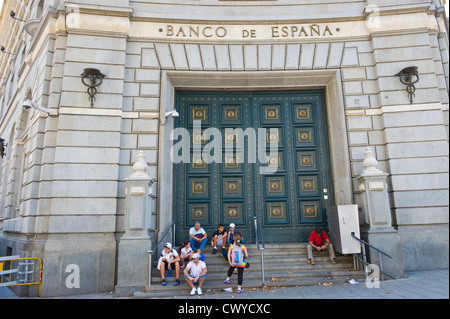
column 366, row 263
column 379, row 256
column 260, row 247
column 373, row 247
column 155, row 249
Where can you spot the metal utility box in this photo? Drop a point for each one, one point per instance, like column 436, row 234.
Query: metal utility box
column 342, row 222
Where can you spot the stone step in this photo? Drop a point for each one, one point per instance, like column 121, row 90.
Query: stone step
column 306, row 271
column 285, row 265
column 321, row 263
column 214, row 284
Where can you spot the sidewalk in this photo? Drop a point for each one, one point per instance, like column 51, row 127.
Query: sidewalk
column 418, row 285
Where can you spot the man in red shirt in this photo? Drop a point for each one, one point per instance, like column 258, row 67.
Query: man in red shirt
column 319, row 240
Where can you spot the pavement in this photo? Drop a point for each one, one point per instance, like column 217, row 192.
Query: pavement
column 432, row 284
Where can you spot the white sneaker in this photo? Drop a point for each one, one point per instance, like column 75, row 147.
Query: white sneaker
column 193, row 291
column 199, row 291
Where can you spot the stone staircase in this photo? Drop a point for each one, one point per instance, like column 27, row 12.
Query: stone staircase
column 285, row 265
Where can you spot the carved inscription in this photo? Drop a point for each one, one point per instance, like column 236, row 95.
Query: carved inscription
column 245, row 32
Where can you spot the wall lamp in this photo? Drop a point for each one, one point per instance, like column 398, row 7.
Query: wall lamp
column 409, row 76
column 172, row 113
column 13, row 15
column 94, row 78
column 2, row 48
column 3, row 146
column 30, row 25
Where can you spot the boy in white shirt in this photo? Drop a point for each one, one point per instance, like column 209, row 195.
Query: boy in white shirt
column 169, row 259
column 195, row 272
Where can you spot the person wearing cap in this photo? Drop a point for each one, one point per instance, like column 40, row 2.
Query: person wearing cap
column 169, row 260
column 195, row 272
column 231, row 232
column 230, row 239
column 319, row 240
column 197, row 237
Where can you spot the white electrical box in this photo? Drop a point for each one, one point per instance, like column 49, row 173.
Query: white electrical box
column 342, row 222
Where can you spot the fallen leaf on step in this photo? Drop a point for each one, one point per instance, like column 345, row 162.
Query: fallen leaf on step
column 326, row 284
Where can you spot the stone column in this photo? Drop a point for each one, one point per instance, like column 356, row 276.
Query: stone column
column 378, row 230
column 132, row 272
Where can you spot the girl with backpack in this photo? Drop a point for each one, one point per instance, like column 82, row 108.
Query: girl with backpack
column 237, row 255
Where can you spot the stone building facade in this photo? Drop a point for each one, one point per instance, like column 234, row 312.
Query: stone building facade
column 64, row 179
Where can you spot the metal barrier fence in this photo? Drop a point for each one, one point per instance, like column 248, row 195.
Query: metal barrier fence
column 16, row 271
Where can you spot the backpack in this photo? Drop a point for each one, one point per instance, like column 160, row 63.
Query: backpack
column 237, row 256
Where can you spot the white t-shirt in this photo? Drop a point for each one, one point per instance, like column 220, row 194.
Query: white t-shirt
column 169, row 256
column 186, row 251
column 194, row 232
column 195, row 270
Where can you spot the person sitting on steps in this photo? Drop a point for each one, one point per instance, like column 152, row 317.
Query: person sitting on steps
column 219, row 238
column 320, row 241
column 197, row 237
column 169, row 259
column 195, row 272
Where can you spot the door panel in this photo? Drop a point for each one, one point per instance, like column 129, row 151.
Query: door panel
column 290, row 202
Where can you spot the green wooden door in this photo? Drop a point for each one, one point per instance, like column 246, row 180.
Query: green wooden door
column 289, row 202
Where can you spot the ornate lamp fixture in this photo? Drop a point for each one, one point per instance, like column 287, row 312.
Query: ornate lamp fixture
column 409, row 76
column 95, row 78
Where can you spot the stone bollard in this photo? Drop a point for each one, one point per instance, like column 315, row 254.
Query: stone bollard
column 378, row 230
column 133, row 263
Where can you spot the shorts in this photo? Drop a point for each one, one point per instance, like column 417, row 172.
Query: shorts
column 166, row 265
column 195, row 283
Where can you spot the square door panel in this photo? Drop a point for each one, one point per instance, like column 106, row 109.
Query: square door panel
column 198, row 187
column 198, row 112
column 271, row 113
column 275, row 186
column 232, row 212
column 232, row 163
column 198, row 212
column 308, row 185
column 304, row 136
column 276, row 161
column 276, row 213
column 274, row 136
column 232, row 187
column 198, row 138
column 232, row 138
column 306, row 160
column 231, row 114
column 197, row 165
column 310, row 212
column 303, row 113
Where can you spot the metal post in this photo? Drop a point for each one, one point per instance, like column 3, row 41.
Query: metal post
column 261, row 252
column 150, row 255
column 381, row 266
